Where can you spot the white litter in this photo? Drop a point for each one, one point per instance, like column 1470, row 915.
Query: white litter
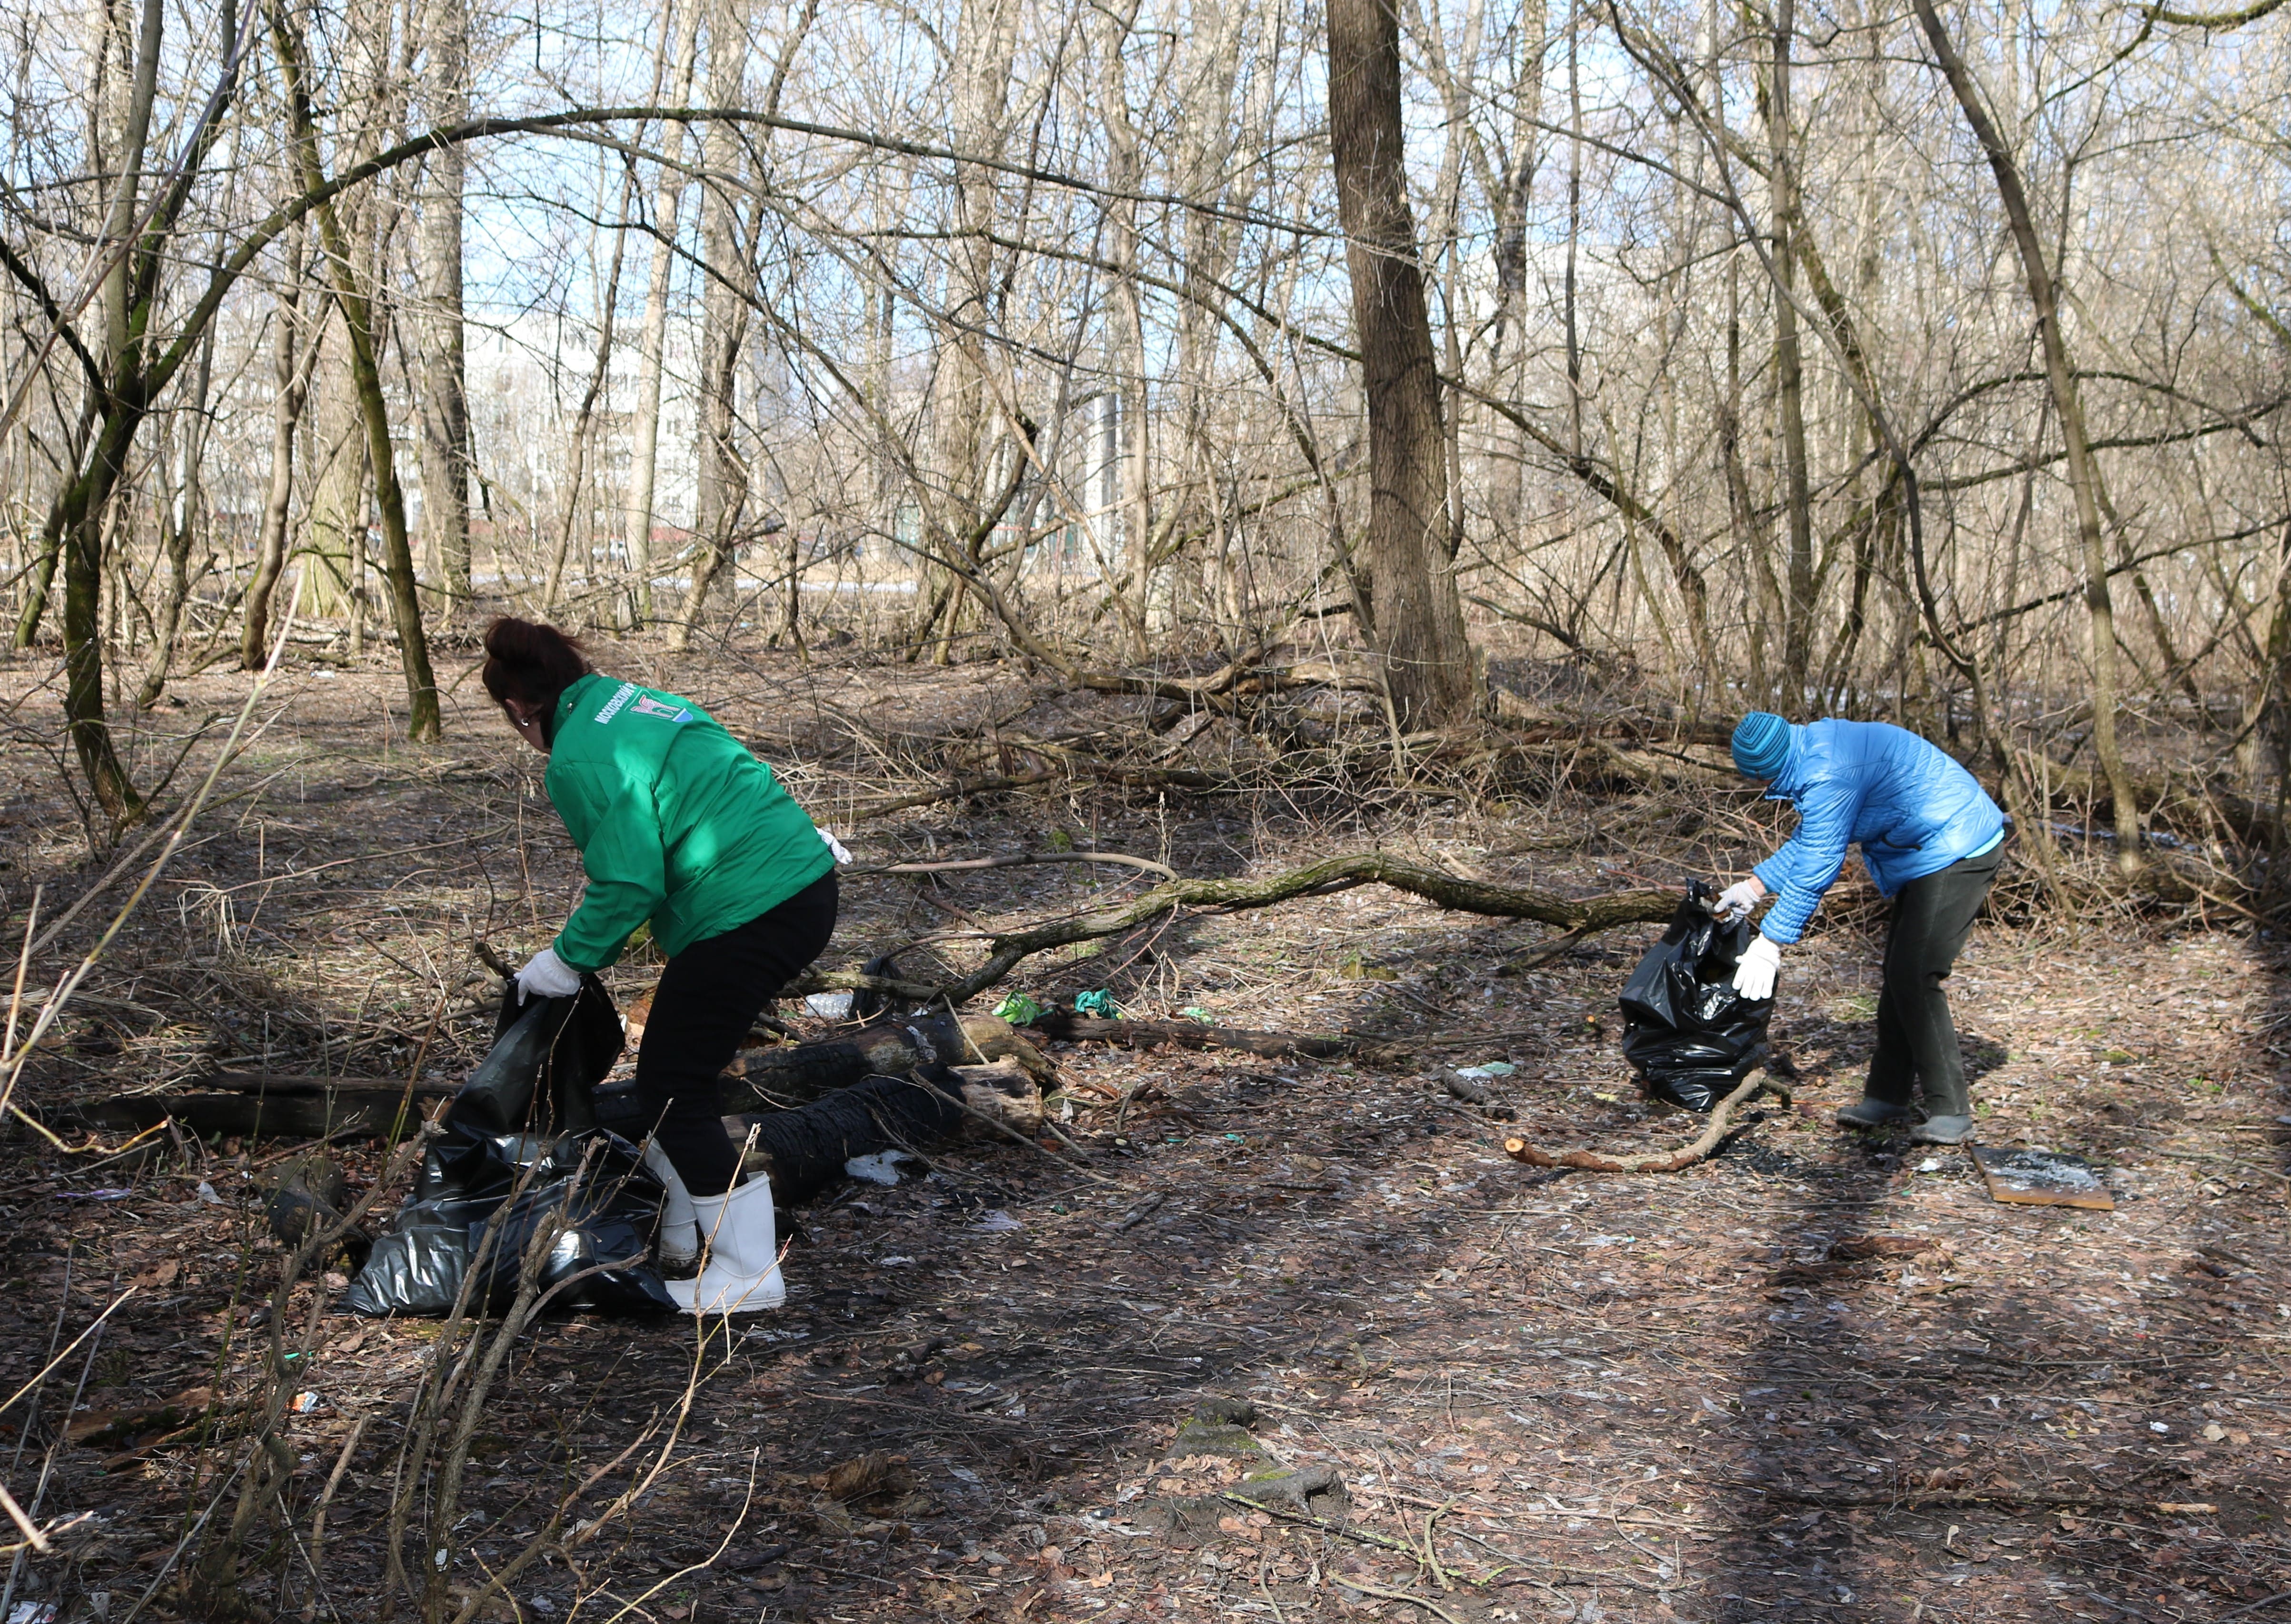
column 829, row 1006
column 1487, row 1068
column 1930, row 1164
column 207, row 1192
column 996, row 1222
column 882, row 1168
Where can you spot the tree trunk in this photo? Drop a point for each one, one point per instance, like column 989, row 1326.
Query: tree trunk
column 1410, row 607
column 445, row 383
column 422, row 718
column 652, row 341
column 1131, row 538
column 179, row 527
column 291, row 384
column 579, row 507
column 82, row 529
column 1789, row 372
column 722, row 495
column 86, row 503
column 2044, row 295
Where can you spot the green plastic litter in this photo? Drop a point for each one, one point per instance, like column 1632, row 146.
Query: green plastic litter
column 1018, row 1010
column 1098, row 1001
column 1195, row 1012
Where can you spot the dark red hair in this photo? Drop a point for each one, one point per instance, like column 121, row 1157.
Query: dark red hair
column 530, row 664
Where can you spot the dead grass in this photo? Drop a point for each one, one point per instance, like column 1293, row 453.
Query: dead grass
column 1570, row 1397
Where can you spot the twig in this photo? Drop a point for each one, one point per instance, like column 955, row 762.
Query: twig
column 1023, row 858
column 317, row 1556
column 23, row 961
column 33, row 1536
column 70, row 984
column 1711, row 1137
column 59, row 1358
column 1353, row 1582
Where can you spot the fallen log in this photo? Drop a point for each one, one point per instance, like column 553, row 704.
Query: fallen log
column 290, row 1105
column 1069, row 1028
column 1006, row 949
column 358, row 1110
column 803, row 1151
column 796, row 1073
column 1714, row 1134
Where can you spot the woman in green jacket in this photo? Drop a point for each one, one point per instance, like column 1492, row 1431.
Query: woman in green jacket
column 679, row 826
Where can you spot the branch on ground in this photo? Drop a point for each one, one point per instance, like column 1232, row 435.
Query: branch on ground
column 1007, row 949
column 1715, row 1133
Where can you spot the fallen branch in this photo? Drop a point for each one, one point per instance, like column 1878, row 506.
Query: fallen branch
column 1006, row 950
column 1713, row 1135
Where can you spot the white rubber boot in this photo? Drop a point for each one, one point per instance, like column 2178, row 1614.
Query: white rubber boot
column 742, row 1275
column 678, row 1245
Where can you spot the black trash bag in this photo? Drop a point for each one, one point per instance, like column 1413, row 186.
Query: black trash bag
column 595, row 1183
column 555, row 1050
column 542, row 1073
column 595, row 1188
column 1689, row 1036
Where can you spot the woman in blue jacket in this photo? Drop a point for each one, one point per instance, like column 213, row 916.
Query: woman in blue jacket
column 1931, row 840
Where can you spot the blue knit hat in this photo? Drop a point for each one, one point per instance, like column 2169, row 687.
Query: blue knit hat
column 1762, row 746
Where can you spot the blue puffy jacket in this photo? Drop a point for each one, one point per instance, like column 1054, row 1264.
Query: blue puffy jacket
column 1911, row 810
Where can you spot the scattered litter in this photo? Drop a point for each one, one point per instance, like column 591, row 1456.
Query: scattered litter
column 2041, row 1178
column 32, row 1612
column 105, row 1195
column 1930, row 1164
column 963, row 1473
column 1099, row 1002
column 882, row 1168
column 1689, row 1036
column 996, row 1222
column 206, row 1193
column 829, row 1006
column 305, row 1403
column 1487, row 1068
column 1019, row 1010
column 894, row 1262
column 1195, row 1012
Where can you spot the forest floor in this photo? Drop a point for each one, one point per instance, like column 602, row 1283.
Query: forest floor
column 1549, row 1396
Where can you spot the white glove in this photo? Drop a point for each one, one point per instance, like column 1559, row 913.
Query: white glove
column 547, row 976
column 1753, row 977
column 842, row 856
column 1736, row 901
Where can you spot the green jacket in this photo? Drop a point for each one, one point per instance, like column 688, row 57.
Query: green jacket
column 676, row 822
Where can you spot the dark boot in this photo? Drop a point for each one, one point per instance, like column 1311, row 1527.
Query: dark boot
column 1943, row 1131
column 1871, row 1111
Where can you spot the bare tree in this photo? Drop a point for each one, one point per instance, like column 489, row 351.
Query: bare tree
column 1403, row 569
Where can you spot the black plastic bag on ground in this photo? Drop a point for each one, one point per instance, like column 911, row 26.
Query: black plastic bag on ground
column 1686, row 1032
column 589, row 1185
column 593, row 1188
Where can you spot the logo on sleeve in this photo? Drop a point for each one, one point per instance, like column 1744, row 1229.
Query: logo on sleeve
column 621, row 696
column 646, row 705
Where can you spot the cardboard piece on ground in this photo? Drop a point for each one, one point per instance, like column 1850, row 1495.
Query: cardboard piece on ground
column 2041, row 1178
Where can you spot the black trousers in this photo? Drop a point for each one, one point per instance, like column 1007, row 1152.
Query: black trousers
column 1917, row 1039
column 709, row 996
